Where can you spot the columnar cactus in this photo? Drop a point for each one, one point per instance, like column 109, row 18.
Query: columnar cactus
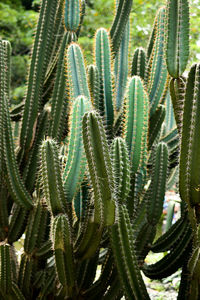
column 84, row 177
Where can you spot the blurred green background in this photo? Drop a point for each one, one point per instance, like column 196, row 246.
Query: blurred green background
column 18, row 20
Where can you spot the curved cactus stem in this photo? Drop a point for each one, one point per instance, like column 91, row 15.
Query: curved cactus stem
column 190, row 143
column 177, row 36
column 100, row 168
column 104, row 65
column 172, row 236
column 76, row 73
column 119, row 24
column 125, row 257
column 75, row 166
column 139, row 63
column 50, row 177
column 136, row 122
column 172, row 261
column 14, row 181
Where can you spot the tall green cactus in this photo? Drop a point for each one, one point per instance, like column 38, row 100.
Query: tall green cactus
column 83, row 179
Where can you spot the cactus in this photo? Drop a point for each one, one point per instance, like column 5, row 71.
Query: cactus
column 86, row 159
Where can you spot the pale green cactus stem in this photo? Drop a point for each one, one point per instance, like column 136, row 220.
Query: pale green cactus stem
column 76, row 73
column 139, row 63
column 177, row 36
column 100, row 168
column 75, row 166
column 136, row 120
column 72, row 16
column 104, row 64
column 170, row 118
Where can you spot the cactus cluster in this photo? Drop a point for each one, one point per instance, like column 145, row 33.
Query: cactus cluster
column 86, row 159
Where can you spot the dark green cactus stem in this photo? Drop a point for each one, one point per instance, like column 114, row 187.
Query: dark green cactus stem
column 123, row 10
column 14, row 181
column 5, row 269
column 156, row 192
column 121, row 67
column 37, row 72
column 76, row 73
column 104, row 65
column 76, row 161
column 125, row 257
column 63, row 252
column 94, row 85
column 157, row 76
column 172, row 261
column 36, row 228
column 100, row 168
column 72, row 15
column 151, row 40
column 136, row 122
column 190, row 143
column 167, row 241
column 17, row 223
column 50, row 177
column 121, row 169
column 31, row 168
column 177, row 92
column 139, row 63
column 5, row 54
column 177, row 40
column 155, row 124
column 25, row 278
column 59, row 97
